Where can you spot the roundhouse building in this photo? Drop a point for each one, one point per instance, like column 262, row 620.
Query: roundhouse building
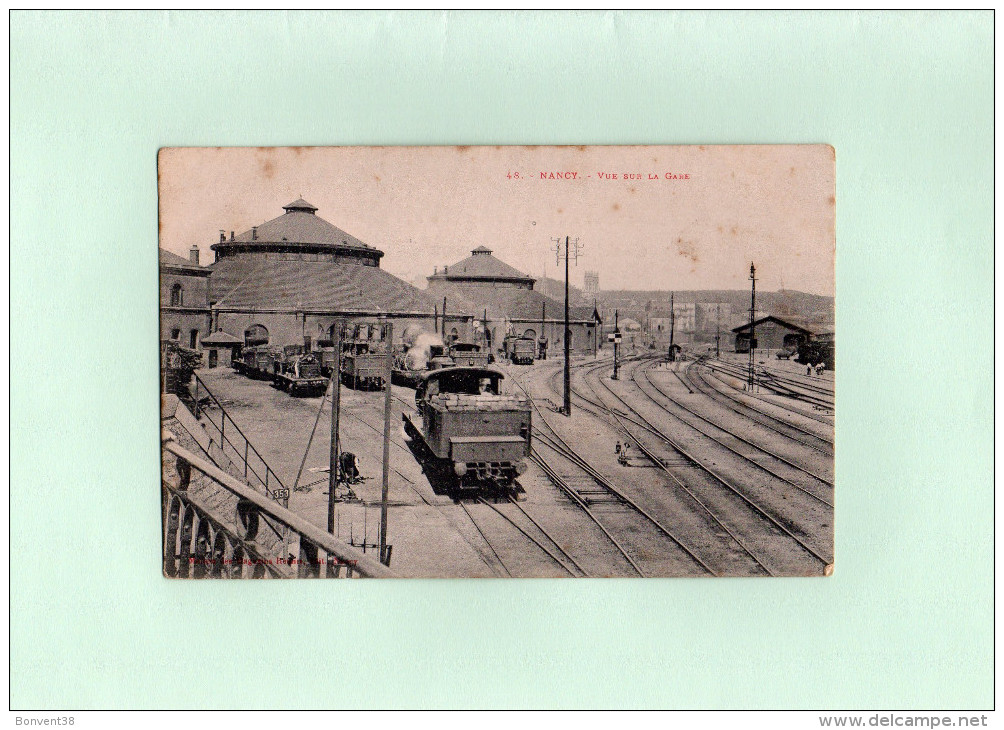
column 289, row 279
column 489, row 287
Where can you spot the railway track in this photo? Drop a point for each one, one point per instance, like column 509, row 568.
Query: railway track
column 559, row 446
column 756, row 510
column 586, row 499
column 792, row 431
column 719, row 375
column 710, row 427
column 814, row 395
column 597, row 490
column 556, row 554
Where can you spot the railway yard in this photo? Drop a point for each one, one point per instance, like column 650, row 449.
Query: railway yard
column 673, row 469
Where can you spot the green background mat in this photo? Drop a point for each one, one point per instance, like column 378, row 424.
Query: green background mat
column 906, row 621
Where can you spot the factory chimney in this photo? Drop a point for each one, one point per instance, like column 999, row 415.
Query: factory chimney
column 193, row 254
column 254, row 233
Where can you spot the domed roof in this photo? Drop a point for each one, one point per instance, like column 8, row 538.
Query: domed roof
column 300, row 204
column 297, row 228
column 482, row 265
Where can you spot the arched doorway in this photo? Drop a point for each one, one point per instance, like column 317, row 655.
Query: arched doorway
column 256, row 334
column 530, row 334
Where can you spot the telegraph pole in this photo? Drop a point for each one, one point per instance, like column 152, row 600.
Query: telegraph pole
column 388, row 338
column 718, row 331
column 752, row 331
column 444, row 321
column 672, row 325
column 543, row 311
column 617, row 344
column 595, row 331
column 568, row 348
column 336, row 381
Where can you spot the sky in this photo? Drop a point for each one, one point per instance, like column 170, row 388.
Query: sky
column 695, row 217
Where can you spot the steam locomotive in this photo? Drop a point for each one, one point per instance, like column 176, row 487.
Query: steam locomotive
column 519, row 350
column 475, row 438
column 298, row 372
column 470, row 354
column 421, row 352
column 258, row 361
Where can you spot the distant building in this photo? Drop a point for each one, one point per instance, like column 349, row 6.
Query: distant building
column 685, row 316
column 591, row 283
column 712, row 316
column 490, row 289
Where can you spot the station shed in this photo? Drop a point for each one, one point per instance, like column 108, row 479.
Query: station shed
column 772, row 333
column 221, row 348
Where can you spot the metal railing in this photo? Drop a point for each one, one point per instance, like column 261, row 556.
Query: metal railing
column 241, row 450
column 197, row 544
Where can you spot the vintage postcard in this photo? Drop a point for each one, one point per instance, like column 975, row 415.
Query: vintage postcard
column 497, row 361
